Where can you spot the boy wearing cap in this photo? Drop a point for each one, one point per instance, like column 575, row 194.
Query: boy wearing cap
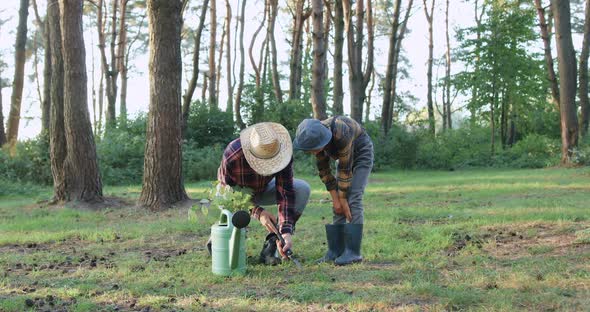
column 261, row 161
column 342, row 139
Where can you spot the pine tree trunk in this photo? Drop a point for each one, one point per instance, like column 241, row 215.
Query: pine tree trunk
column 398, row 47
column 548, row 55
column 276, row 82
column 251, row 48
column 83, row 182
column 212, row 46
column 297, row 51
column 238, row 101
column 430, row 106
column 338, row 107
column 122, row 64
column 110, row 119
column 474, row 92
column 19, row 74
column 230, row 88
column 448, row 71
column 57, row 138
column 220, row 61
column 567, row 78
column 318, row 98
column 162, row 180
column 387, row 81
column 2, row 133
column 583, row 80
column 192, row 85
column 46, row 104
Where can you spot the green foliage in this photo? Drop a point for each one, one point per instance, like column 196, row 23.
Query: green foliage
column 206, row 127
column 29, row 164
column 396, row 150
column 581, row 154
column 534, row 151
column 225, row 197
column 201, row 163
column 121, row 153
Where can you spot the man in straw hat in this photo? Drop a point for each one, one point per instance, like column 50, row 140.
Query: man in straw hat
column 261, row 162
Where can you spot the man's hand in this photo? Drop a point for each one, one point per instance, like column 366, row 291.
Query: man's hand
column 336, row 206
column 288, row 244
column 346, row 209
column 268, row 221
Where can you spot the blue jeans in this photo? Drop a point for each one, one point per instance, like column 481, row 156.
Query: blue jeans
column 361, row 168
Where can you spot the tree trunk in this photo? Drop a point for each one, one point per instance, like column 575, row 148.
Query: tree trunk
column 357, row 78
column 46, row 104
column 276, row 81
column 387, row 81
column 83, row 182
column 122, row 64
column 2, row 133
column 567, row 78
column 57, row 138
column 338, row 107
column 251, row 48
column 548, row 55
column 447, row 94
column 162, row 180
column 212, row 45
column 220, row 61
column 430, row 106
column 297, row 51
column 230, row 88
column 583, row 80
column 238, row 101
column 19, row 74
column 111, row 121
column 318, row 98
column 192, row 85
column 398, row 47
column 474, row 92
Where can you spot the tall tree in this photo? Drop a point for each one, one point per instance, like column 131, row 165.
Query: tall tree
column 19, row 74
column 192, row 85
column 358, row 79
column 45, row 98
column 295, row 66
column 212, row 45
column 230, row 88
column 387, row 81
column 478, row 15
column 396, row 60
column 583, row 79
column 548, row 54
column 122, row 64
column 566, row 57
column 57, row 134
column 2, row 133
column 110, row 71
column 276, row 81
column 238, row 101
column 162, row 180
column 338, row 47
column 429, row 13
column 447, row 82
column 318, row 98
column 83, row 182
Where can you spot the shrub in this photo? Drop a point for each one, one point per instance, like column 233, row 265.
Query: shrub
column 29, row 164
column 120, row 157
column 207, row 127
column 201, row 163
column 534, row 151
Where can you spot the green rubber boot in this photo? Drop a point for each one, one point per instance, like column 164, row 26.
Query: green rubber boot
column 335, row 237
column 353, row 236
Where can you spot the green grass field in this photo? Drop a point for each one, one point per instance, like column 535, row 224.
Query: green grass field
column 483, row 240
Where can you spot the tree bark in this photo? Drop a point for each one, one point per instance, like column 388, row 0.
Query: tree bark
column 276, row 81
column 474, row 91
column 398, row 47
column 430, row 106
column 57, row 138
column 548, row 55
column 567, row 78
column 122, row 64
column 297, row 50
column 358, row 79
column 447, row 94
column 251, row 48
column 387, row 81
column 162, row 180
column 110, row 74
column 318, row 98
column 220, row 61
column 192, row 85
column 238, row 100
column 19, row 74
column 583, row 79
column 338, row 107
column 2, row 133
column 212, row 46
column 46, row 104
column 230, row 88
column 83, row 182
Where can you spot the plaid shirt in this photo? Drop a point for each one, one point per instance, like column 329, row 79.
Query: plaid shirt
column 344, row 131
column 235, row 170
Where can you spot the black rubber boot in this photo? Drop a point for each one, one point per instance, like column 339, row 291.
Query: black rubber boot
column 335, row 237
column 353, row 236
column 268, row 255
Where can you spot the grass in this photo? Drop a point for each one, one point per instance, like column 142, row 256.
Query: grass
column 479, row 240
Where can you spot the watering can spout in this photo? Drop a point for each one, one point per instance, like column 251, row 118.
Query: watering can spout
column 240, row 220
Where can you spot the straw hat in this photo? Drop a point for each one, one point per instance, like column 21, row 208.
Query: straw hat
column 267, row 147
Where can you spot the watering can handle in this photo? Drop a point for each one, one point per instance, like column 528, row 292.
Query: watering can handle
column 225, row 217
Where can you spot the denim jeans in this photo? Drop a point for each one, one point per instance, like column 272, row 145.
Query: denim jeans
column 361, row 168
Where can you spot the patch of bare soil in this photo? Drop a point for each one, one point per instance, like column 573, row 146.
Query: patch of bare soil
column 531, row 239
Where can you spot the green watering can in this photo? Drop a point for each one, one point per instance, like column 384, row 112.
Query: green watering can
column 228, row 243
